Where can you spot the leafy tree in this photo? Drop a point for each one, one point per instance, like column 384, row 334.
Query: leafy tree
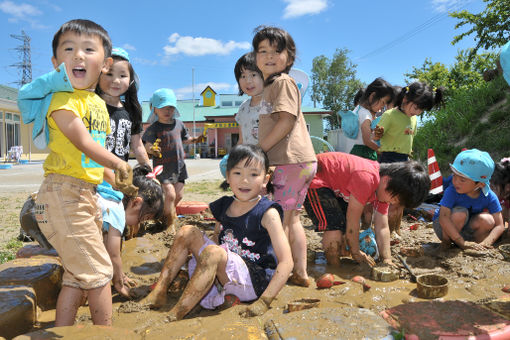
column 465, row 73
column 334, row 83
column 491, row 26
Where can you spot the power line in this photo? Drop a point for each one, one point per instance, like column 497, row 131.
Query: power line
column 408, row 35
column 25, row 66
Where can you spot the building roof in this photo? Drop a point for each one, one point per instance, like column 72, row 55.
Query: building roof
column 203, row 113
column 207, row 87
column 9, row 93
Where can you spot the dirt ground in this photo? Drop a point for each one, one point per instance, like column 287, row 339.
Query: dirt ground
column 476, row 277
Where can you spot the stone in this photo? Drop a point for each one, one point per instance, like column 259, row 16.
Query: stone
column 42, row 273
column 18, row 310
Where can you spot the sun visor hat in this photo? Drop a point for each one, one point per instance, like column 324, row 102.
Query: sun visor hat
column 161, row 98
column 476, row 165
column 504, row 60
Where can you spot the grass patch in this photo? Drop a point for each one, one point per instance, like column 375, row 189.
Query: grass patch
column 205, row 187
column 9, row 251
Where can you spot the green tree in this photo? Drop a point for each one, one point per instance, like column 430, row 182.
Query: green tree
column 465, row 73
column 334, row 83
column 491, row 26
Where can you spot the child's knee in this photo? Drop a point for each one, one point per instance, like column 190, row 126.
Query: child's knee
column 212, row 254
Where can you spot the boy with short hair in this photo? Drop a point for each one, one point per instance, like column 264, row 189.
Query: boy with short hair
column 66, row 205
column 344, row 184
column 169, row 150
column 470, row 212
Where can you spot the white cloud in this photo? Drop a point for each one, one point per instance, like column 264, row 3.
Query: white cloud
column 199, row 46
column 143, row 61
column 297, row 8
column 444, row 6
column 21, row 12
column 129, row 47
column 18, row 10
column 187, row 92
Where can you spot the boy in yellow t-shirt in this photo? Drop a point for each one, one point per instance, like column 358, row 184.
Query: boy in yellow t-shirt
column 66, row 207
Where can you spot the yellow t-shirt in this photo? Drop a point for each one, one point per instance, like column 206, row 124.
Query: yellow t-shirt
column 64, row 157
column 399, row 131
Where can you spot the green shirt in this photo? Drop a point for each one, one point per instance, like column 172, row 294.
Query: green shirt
column 399, row 131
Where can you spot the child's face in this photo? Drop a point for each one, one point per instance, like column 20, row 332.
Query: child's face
column 251, row 83
column 115, row 81
column 165, row 114
column 247, row 180
column 133, row 212
column 84, row 59
column 465, row 185
column 410, row 108
column 378, row 105
column 383, row 195
column 269, row 60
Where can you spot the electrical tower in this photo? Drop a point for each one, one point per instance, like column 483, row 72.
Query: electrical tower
column 25, row 66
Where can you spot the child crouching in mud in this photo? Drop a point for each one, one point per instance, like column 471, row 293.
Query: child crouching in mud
column 252, row 259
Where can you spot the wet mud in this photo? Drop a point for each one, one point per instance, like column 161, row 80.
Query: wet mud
column 472, row 277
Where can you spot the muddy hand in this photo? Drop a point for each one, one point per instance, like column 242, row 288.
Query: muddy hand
column 389, row 262
column 156, row 149
column 473, row 245
column 362, row 281
column 124, row 179
column 362, row 257
column 378, row 132
column 257, row 308
column 128, row 282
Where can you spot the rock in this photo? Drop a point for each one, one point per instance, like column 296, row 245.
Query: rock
column 18, row 310
column 34, row 250
column 81, row 332
column 328, row 323
column 42, row 273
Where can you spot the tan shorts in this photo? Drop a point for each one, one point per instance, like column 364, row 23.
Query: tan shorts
column 69, row 216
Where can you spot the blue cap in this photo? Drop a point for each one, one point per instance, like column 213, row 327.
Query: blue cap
column 161, row 98
column 120, row 52
column 476, row 165
column 504, row 60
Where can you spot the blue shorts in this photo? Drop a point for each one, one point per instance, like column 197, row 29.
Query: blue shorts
column 466, row 232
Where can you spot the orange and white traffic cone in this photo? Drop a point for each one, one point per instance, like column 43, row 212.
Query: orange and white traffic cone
column 436, row 180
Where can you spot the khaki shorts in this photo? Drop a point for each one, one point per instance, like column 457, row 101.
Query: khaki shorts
column 69, row 216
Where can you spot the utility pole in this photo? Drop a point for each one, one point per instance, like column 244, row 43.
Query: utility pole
column 193, row 101
column 26, row 64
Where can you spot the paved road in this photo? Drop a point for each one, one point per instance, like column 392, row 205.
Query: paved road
column 28, row 177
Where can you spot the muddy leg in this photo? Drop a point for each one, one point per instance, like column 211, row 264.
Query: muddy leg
column 332, row 245
column 210, row 263
column 395, row 214
column 297, row 239
column 188, row 239
column 366, row 217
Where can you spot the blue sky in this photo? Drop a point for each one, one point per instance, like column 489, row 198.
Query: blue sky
column 166, row 39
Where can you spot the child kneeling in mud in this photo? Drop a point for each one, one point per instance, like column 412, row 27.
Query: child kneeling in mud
column 470, row 212
column 344, row 184
column 252, row 260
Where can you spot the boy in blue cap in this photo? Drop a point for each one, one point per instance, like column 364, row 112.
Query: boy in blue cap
column 164, row 140
column 470, row 212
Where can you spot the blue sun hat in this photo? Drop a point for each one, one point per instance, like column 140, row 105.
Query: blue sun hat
column 476, row 165
column 504, row 60
column 161, row 98
column 120, row 52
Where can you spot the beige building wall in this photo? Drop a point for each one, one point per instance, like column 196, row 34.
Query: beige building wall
column 13, row 133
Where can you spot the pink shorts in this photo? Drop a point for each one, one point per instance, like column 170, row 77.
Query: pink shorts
column 291, row 182
column 239, row 279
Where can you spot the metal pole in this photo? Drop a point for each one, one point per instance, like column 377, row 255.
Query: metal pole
column 193, row 101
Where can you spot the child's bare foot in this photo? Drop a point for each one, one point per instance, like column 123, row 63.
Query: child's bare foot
column 299, row 280
column 156, row 299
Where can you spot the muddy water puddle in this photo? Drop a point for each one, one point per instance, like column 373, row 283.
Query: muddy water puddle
column 471, row 278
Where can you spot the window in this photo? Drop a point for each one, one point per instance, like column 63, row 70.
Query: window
column 238, row 103
column 12, row 130
column 225, row 103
